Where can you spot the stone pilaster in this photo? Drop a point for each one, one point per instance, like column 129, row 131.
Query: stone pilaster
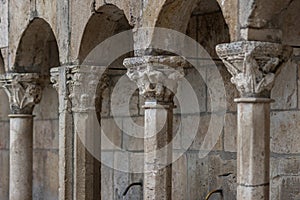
column 82, row 89
column 253, row 66
column 60, row 81
column 24, row 92
column 157, row 79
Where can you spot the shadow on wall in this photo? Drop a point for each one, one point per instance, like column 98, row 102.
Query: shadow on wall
column 2, row 70
column 37, row 51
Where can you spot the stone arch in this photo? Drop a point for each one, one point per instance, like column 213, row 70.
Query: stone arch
column 204, row 22
column 178, row 15
column 207, row 26
column 260, row 19
column 37, row 51
column 289, row 26
column 2, row 68
column 107, row 21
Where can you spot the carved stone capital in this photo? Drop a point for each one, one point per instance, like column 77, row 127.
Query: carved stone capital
column 54, row 78
column 156, row 76
column 253, row 65
column 86, row 84
column 24, row 91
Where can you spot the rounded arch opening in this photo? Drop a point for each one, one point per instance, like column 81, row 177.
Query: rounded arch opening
column 37, row 51
column 289, row 24
column 203, row 21
column 107, row 21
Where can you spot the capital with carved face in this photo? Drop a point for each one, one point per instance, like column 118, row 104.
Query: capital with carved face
column 156, row 76
column 253, row 65
column 24, row 91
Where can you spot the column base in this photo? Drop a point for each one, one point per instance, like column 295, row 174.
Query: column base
column 253, row 100
column 21, row 116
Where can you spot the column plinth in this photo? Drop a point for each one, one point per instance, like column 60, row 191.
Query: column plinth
column 24, row 93
column 253, row 66
column 157, row 79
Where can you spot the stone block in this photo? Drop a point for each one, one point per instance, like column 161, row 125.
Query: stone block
column 4, row 174
column 191, row 93
column 197, row 176
column 218, row 80
column 230, row 132
column 136, row 193
column 4, row 135
column 121, row 175
column 124, row 97
column 45, row 134
column 284, row 166
column 17, row 25
column 284, row 132
column 284, row 91
column 4, row 24
column 48, row 107
column 179, row 178
column 107, row 188
column 285, row 187
column 222, row 174
column 197, row 129
column 111, row 136
column 47, row 10
column 230, row 12
column 45, row 164
column 133, row 134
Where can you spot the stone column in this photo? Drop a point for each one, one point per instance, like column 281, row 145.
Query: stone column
column 156, row 78
column 80, row 133
column 84, row 94
column 24, row 93
column 61, row 82
column 253, row 66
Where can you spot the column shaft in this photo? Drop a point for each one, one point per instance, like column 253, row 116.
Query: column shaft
column 254, row 148
column 253, row 66
column 20, row 173
column 158, row 152
column 24, row 92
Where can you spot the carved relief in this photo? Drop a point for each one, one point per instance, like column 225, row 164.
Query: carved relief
column 54, row 78
column 84, row 86
column 156, row 77
column 24, row 92
column 253, row 65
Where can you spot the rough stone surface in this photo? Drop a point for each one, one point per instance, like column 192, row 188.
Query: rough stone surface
column 4, row 24
column 284, row 91
column 284, row 125
column 4, row 173
column 230, row 132
column 45, row 165
column 38, row 35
